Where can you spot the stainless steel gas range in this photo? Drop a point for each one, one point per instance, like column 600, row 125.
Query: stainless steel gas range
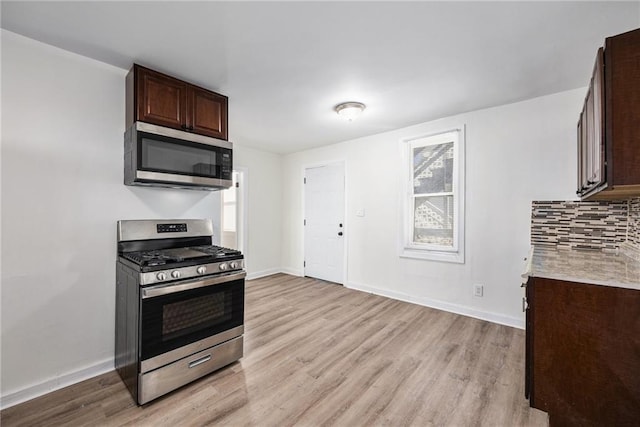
column 179, row 305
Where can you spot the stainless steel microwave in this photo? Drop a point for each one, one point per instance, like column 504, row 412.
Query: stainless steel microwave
column 163, row 157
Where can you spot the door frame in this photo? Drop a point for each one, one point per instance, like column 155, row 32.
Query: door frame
column 243, row 201
column 244, row 185
column 345, row 257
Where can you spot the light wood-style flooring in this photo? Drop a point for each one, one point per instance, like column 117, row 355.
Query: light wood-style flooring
column 318, row 354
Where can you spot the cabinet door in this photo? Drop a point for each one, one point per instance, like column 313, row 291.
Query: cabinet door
column 206, row 112
column 580, row 161
column 590, row 134
column 161, row 99
column 622, row 77
column 586, row 353
column 528, row 354
column 590, row 126
column 595, row 119
column 584, row 162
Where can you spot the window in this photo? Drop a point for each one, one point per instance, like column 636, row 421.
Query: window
column 434, row 202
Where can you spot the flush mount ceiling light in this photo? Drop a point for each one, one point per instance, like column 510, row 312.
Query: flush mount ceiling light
column 350, row 110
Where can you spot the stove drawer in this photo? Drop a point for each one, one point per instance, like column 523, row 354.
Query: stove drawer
column 163, row 380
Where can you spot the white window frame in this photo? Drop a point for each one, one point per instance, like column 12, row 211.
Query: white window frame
column 408, row 248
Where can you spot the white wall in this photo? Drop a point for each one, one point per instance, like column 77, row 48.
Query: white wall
column 514, row 154
column 264, row 210
column 62, row 193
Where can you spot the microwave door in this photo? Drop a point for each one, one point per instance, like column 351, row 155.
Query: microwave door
column 162, row 160
column 177, row 158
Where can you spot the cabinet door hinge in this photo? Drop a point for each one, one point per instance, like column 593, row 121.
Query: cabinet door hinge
column 305, row 222
column 305, row 180
column 304, row 263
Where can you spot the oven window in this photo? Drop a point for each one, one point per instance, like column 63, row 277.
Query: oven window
column 184, row 317
column 160, row 155
column 174, row 320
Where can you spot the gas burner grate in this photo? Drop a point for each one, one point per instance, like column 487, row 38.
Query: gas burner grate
column 158, row 257
column 217, row 251
column 151, row 258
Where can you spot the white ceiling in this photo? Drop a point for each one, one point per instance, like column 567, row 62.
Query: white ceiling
column 285, row 65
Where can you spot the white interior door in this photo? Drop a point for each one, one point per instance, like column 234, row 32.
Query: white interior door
column 324, row 231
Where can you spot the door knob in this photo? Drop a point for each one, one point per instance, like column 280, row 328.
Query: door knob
column 340, row 233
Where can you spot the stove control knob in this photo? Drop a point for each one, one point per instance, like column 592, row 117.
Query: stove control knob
column 233, row 265
column 201, row 270
column 161, row 276
column 223, row 266
column 175, row 274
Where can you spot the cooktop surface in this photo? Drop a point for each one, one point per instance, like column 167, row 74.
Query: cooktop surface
column 183, row 256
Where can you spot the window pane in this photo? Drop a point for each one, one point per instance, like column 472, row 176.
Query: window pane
column 433, row 168
column 433, row 221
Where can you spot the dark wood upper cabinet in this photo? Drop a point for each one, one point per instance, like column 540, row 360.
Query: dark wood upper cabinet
column 207, row 112
column 591, row 163
column 156, row 98
column 622, row 109
column 161, row 99
column 608, row 130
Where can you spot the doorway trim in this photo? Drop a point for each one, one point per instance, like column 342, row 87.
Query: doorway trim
column 303, row 173
column 241, row 212
column 244, row 184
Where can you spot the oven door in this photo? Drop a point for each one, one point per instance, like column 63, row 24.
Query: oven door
column 169, row 156
column 183, row 317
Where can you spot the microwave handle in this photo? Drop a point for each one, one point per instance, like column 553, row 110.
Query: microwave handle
column 166, row 289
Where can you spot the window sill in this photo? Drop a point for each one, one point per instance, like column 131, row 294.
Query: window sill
column 430, row 255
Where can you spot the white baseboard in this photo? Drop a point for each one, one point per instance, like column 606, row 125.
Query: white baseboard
column 442, row 305
column 263, row 273
column 292, row 271
column 57, row 383
column 271, row 271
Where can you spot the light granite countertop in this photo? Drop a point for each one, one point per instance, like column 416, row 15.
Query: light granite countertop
column 593, row 267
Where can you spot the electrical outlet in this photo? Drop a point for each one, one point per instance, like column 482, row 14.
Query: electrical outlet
column 477, row 290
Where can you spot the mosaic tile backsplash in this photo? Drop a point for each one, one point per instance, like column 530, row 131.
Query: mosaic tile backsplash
column 633, row 232
column 586, row 225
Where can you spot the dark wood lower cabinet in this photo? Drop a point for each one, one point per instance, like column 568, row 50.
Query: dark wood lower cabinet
column 583, row 353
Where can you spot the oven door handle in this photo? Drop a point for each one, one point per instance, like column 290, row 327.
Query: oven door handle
column 165, row 289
